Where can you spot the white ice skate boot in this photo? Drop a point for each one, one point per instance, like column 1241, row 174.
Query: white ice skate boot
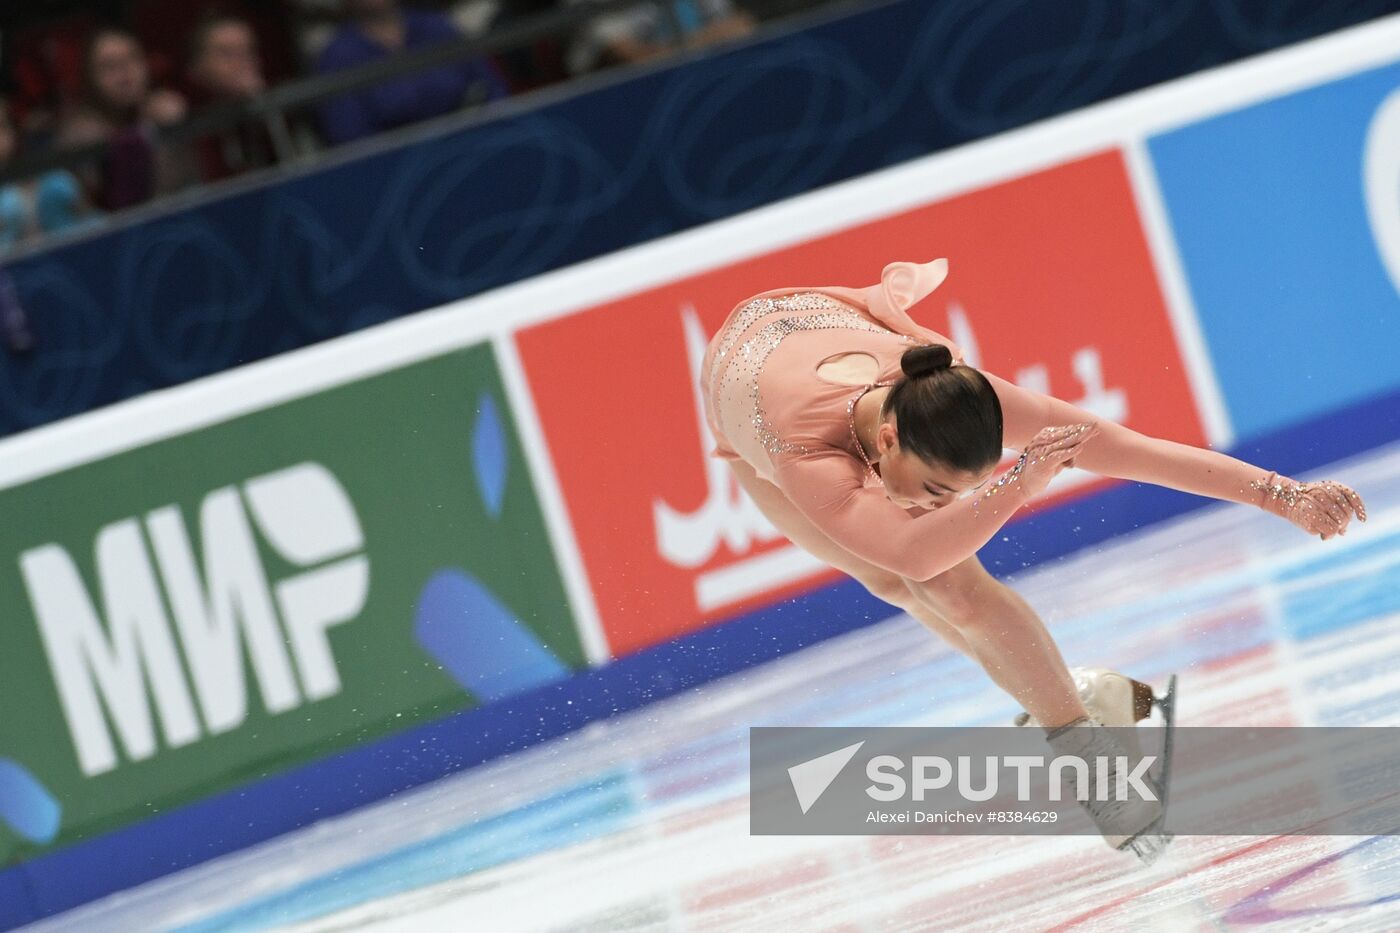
column 1112, row 699
column 1134, row 824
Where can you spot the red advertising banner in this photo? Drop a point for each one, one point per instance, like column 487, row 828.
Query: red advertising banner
column 1051, row 286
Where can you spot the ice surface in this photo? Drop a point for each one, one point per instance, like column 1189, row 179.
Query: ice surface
column 641, row 822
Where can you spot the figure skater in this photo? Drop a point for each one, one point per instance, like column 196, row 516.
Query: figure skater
column 868, row 441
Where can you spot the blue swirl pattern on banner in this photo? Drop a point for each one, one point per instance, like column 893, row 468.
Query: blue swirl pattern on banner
column 262, row 271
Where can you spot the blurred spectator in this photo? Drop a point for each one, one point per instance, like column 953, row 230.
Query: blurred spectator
column 539, row 63
column 14, row 323
column 45, row 63
column 377, row 29
column 650, row 30
column 121, row 109
column 14, row 212
column 165, row 27
column 46, row 204
column 224, row 68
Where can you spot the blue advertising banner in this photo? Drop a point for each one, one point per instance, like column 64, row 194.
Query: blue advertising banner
column 1287, row 218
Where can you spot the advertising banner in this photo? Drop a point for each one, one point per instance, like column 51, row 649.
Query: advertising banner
column 207, row 610
column 1051, row 286
column 1287, row 219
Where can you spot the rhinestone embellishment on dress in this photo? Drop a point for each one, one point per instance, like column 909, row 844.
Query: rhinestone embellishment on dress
column 766, row 339
column 749, row 355
column 804, row 301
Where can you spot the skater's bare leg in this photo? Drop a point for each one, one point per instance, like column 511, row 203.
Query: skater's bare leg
column 966, row 606
column 933, row 620
column 1007, row 637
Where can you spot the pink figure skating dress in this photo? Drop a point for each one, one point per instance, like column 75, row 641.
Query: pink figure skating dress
column 765, row 404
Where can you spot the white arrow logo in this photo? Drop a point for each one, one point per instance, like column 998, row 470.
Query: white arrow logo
column 811, row 778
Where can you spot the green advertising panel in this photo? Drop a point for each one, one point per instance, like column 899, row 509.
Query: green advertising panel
column 203, row 611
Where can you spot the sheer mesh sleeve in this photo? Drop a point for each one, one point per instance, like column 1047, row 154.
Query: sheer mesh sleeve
column 827, row 486
column 1123, row 453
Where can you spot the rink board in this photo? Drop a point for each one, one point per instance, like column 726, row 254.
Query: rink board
column 1081, row 266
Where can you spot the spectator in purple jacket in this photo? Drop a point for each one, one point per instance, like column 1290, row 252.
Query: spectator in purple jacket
column 376, row 29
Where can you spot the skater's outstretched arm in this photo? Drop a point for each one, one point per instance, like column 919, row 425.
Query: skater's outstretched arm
column 1121, row 452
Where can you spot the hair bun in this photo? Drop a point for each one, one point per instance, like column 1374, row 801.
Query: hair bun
column 920, row 361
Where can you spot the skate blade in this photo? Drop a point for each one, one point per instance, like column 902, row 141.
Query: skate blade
column 1149, row 844
column 1167, row 703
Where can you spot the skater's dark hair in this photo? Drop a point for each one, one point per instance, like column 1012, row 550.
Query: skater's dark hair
column 945, row 413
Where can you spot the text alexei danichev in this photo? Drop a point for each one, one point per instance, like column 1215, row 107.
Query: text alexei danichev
column 958, row 816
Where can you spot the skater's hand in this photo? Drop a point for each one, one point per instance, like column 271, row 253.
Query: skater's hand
column 1052, row 450
column 1322, row 508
